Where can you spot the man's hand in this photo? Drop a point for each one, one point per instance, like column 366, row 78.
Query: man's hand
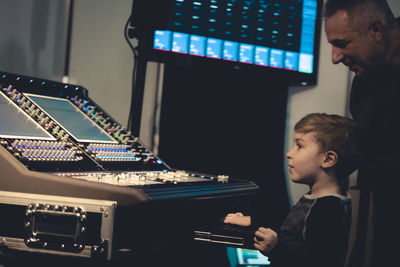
column 238, row 218
column 265, row 240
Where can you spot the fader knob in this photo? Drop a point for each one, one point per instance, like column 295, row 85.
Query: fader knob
column 106, row 126
column 65, row 137
column 40, row 115
column 25, row 104
column 48, row 125
column 44, row 120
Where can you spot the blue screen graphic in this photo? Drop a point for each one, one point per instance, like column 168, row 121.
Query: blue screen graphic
column 14, row 123
column 272, row 33
column 247, row 257
column 75, row 122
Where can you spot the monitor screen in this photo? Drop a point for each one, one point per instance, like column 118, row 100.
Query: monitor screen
column 246, row 257
column 14, row 123
column 73, row 120
column 279, row 34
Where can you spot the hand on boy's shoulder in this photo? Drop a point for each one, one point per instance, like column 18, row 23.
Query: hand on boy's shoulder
column 238, row 219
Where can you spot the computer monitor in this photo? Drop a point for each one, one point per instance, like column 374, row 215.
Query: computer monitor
column 280, row 35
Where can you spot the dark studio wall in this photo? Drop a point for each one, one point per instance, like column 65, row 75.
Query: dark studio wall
column 220, row 119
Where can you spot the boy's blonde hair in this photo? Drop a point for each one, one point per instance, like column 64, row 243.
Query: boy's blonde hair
column 334, row 133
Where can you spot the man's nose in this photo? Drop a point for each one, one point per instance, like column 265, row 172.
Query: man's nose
column 337, row 55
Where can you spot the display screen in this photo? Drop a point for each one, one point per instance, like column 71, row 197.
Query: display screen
column 15, row 123
column 273, row 33
column 251, row 257
column 73, row 120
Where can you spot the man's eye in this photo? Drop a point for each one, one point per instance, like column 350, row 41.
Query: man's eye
column 341, row 44
column 298, row 146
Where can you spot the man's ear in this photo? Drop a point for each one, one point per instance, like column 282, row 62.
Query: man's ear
column 331, row 158
column 376, row 30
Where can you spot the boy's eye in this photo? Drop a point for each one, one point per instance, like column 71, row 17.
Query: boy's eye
column 298, row 146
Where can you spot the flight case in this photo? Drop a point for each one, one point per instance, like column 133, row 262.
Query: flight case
column 56, row 225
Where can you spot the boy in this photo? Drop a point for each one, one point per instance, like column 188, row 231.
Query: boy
column 315, row 232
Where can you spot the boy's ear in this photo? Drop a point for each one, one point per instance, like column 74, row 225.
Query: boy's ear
column 331, row 158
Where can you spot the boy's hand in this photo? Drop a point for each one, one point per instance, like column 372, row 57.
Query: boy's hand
column 238, row 218
column 265, row 240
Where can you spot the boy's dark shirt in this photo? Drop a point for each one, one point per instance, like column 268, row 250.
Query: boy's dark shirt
column 315, row 233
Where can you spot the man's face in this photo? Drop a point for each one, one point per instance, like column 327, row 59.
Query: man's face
column 357, row 49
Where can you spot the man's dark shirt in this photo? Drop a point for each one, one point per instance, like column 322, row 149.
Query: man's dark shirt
column 375, row 106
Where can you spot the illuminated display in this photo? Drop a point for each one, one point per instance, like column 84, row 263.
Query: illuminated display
column 73, row 120
column 14, row 123
column 279, row 34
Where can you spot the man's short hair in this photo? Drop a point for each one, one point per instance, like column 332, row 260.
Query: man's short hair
column 333, row 6
column 379, row 8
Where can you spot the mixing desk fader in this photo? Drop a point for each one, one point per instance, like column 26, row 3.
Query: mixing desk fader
column 55, row 140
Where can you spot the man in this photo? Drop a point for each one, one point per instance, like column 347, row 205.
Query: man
column 363, row 33
column 365, row 36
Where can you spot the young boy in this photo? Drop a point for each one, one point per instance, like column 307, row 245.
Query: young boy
column 315, row 232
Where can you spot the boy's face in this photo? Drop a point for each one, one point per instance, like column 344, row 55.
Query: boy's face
column 305, row 159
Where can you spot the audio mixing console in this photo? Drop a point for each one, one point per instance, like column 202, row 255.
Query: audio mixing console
column 55, row 140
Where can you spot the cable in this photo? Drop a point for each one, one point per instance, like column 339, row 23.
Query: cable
column 69, row 38
column 134, row 71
